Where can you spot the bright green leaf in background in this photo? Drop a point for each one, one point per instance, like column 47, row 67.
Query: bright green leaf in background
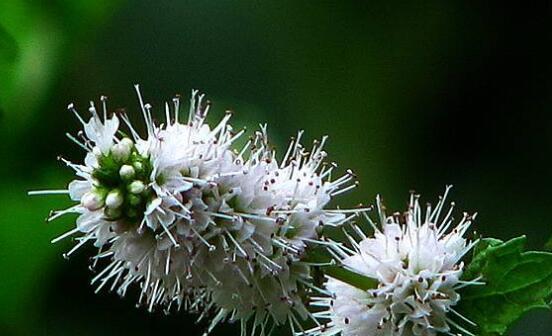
column 515, row 283
column 38, row 40
column 33, row 56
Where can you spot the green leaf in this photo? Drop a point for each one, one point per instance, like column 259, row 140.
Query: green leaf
column 515, row 283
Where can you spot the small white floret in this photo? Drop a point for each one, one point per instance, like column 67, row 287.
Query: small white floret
column 126, row 172
column 92, row 200
column 120, row 151
column 136, row 187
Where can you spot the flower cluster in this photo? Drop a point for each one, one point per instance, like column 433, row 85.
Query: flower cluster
column 198, row 224
column 415, row 259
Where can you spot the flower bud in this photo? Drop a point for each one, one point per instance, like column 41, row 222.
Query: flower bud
column 92, row 200
column 121, row 150
column 134, row 200
column 138, row 166
column 136, row 187
column 127, row 142
column 113, row 213
column 132, row 212
column 114, row 199
column 126, row 172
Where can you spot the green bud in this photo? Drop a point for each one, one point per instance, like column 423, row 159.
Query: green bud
column 113, row 213
column 138, row 166
column 132, row 212
column 136, row 187
column 134, row 200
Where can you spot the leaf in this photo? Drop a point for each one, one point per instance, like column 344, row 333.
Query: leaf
column 548, row 245
column 515, row 283
column 480, row 254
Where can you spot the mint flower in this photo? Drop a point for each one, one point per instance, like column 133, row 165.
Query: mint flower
column 199, row 225
column 140, row 200
column 416, row 260
column 274, row 212
column 228, row 234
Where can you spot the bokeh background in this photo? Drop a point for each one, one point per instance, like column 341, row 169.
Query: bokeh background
column 413, row 97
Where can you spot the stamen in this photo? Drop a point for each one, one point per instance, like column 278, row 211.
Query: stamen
column 48, row 192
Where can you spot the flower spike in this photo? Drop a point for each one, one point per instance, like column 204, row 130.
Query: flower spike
column 416, row 262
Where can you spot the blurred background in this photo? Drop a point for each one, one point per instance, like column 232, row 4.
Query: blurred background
column 413, row 97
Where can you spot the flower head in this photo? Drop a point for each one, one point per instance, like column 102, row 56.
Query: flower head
column 140, row 200
column 269, row 215
column 197, row 224
column 415, row 259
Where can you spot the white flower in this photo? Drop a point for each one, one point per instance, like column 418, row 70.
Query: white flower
column 416, row 260
column 93, row 200
column 138, row 197
column 197, row 225
column 100, row 133
column 267, row 215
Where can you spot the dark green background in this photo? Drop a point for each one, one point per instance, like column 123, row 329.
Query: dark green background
column 413, row 97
